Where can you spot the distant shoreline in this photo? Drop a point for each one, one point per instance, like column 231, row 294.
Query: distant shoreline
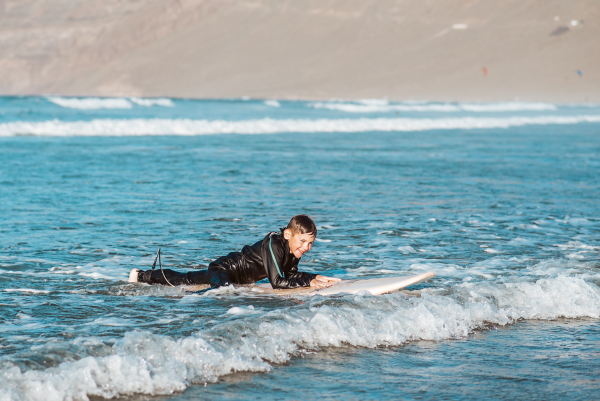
column 447, row 51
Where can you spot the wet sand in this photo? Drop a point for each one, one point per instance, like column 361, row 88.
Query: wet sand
column 455, row 50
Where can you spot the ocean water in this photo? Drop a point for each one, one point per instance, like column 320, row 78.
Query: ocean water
column 499, row 200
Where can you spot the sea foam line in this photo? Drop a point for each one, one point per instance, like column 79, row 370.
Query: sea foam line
column 27, row 290
column 382, row 106
column 133, row 127
column 95, row 103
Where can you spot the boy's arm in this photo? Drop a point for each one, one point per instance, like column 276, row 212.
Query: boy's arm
column 273, row 257
column 295, row 273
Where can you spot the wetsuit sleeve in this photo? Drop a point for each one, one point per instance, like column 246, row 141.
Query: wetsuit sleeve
column 273, row 257
column 294, row 273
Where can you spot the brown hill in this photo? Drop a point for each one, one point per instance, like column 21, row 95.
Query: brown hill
column 479, row 50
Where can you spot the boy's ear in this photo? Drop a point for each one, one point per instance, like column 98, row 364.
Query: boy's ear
column 287, row 233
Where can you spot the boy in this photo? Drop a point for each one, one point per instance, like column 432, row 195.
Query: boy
column 275, row 257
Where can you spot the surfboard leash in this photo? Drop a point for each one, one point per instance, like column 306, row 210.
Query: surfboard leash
column 160, row 265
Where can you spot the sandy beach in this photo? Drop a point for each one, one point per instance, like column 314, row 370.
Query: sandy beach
column 455, row 50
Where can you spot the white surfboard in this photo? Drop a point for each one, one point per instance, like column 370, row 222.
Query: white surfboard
column 376, row 286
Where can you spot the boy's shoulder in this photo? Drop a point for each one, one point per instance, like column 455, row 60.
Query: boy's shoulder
column 273, row 237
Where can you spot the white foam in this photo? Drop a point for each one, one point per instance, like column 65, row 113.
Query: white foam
column 508, row 106
column 90, row 103
column 226, row 290
column 37, row 260
column 578, row 245
column 406, row 249
column 113, row 268
column 236, row 310
column 149, row 102
column 142, row 362
column 133, row 127
column 577, row 221
column 384, row 106
column 96, row 275
column 27, row 290
column 272, row 103
column 96, row 103
column 520, row 242
column 111, row 321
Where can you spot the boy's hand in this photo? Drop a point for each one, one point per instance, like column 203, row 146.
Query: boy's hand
column 323, row 281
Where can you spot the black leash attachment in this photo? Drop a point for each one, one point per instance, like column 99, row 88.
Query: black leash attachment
column 160, row 265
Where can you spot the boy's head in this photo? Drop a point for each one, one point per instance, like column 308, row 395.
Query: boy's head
column 301, row 232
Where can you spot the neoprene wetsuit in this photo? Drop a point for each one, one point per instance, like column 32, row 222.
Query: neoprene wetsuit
column 268, row 258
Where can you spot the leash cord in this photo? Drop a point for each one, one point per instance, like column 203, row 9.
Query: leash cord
column 160, row 265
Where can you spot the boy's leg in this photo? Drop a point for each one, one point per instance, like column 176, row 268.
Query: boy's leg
column 175, row 278
column 217, row 275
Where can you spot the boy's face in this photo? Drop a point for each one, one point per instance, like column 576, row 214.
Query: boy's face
column 299, row 243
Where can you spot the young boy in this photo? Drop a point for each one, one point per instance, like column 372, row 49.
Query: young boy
column 275, row 257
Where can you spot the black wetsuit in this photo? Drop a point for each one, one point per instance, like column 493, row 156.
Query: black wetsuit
column 268, row 258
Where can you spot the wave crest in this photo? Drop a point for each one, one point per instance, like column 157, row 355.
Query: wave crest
column 133, row 127
column 97, row 103
column 383, row 106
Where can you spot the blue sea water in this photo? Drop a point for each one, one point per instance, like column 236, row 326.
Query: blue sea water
column 500, row 200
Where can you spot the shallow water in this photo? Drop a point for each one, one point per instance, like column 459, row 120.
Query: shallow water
column 506, row 215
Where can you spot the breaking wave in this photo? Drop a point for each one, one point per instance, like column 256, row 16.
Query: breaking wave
column 382, row 106
column 132, row 127
column 96, row 103
column 142, row 362
column 149, row 102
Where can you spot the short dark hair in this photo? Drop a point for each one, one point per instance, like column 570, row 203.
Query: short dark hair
column 302, row 224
